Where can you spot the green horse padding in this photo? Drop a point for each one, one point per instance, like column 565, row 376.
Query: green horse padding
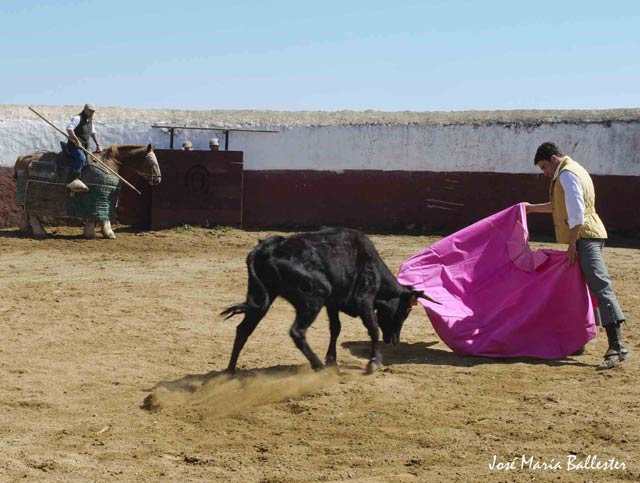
column 44, row 191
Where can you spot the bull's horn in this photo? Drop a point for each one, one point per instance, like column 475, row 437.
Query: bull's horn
column 419, row 294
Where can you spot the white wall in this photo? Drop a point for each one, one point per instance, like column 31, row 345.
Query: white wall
column 611, row 147
column 493, row 148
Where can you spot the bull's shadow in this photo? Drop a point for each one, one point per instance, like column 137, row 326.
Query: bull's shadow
column 193, row 382
column 423, row 353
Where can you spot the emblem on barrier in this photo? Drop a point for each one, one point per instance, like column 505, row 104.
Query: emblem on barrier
column 197, row 180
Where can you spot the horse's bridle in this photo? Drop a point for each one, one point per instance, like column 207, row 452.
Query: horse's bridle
column 152, row 178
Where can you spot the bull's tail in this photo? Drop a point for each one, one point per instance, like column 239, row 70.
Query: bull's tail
column 229, row 312
column 258, row 298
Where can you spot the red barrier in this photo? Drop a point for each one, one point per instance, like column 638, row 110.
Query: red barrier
column 202, row 188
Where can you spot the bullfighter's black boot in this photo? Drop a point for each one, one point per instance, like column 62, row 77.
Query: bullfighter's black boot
column 617, row 351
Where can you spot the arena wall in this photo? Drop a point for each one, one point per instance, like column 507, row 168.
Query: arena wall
column 375, row 169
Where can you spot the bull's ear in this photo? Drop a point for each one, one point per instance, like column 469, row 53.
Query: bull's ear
column 149, row 147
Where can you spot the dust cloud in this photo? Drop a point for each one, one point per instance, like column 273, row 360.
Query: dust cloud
column 223, row 396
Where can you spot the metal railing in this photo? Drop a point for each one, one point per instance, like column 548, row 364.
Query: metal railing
column 224, row 130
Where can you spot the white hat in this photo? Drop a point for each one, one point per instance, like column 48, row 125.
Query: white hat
column 214, row 142
column 187, row 144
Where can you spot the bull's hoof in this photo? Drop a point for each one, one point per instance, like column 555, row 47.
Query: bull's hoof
column 40, row 236
column 372, row 367
column 331, row 362
column 332, row 369
column 88, row 236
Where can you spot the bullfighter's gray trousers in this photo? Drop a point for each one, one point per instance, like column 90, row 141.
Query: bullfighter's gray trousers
column 598, row 280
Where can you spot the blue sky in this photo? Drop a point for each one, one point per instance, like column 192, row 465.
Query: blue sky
column 322, row 55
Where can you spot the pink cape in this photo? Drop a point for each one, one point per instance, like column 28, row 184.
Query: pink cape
column 499, row 298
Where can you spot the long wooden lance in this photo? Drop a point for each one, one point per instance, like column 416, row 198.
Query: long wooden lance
column 85, row 150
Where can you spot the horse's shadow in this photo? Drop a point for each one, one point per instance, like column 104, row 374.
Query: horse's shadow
column 12, row 233
column 129, row 229
column 422, row 353
column 52, row 234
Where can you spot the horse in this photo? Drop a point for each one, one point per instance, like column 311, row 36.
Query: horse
column 132, row 158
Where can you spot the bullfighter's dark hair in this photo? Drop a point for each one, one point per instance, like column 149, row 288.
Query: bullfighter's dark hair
column 545, row 151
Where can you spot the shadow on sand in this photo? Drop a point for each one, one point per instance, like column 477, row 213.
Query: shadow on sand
column 422, row 353
column 193, row 382
column 52, row 234
column 218, row 394
column 12, row 233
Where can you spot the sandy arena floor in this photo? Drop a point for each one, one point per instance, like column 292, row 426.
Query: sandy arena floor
column 92, row 328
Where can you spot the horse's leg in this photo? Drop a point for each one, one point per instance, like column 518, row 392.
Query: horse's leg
column 25, row 226
column 36, row 227
column 107, row 232
column 89, row 229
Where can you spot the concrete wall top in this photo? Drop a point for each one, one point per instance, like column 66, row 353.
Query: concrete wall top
column 244, row 118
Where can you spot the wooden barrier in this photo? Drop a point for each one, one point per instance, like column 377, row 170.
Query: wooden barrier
column 201, row 188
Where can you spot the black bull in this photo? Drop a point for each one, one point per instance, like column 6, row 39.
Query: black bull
column 335, row 268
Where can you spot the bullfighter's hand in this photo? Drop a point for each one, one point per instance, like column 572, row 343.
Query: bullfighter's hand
column 571, row 253
column 98, row 148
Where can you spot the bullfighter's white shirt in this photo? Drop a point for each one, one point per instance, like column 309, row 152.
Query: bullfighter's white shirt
column 75, row 120
column 573, row 197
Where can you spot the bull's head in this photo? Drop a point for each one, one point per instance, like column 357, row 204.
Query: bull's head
column 393, row 312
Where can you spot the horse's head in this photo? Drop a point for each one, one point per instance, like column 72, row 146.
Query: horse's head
column 149, row 168
column 137, row 158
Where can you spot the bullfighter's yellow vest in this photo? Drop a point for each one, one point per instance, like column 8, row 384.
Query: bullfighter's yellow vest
column 593, row 226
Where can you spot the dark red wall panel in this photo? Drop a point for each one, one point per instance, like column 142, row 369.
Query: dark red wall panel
column 202, row 187
column 8, row 210
column 424, row 201
column 198, row 188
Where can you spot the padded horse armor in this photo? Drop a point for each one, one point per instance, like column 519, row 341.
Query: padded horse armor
column 43, row 191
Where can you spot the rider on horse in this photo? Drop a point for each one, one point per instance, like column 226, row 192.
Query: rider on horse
column 80, row 130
